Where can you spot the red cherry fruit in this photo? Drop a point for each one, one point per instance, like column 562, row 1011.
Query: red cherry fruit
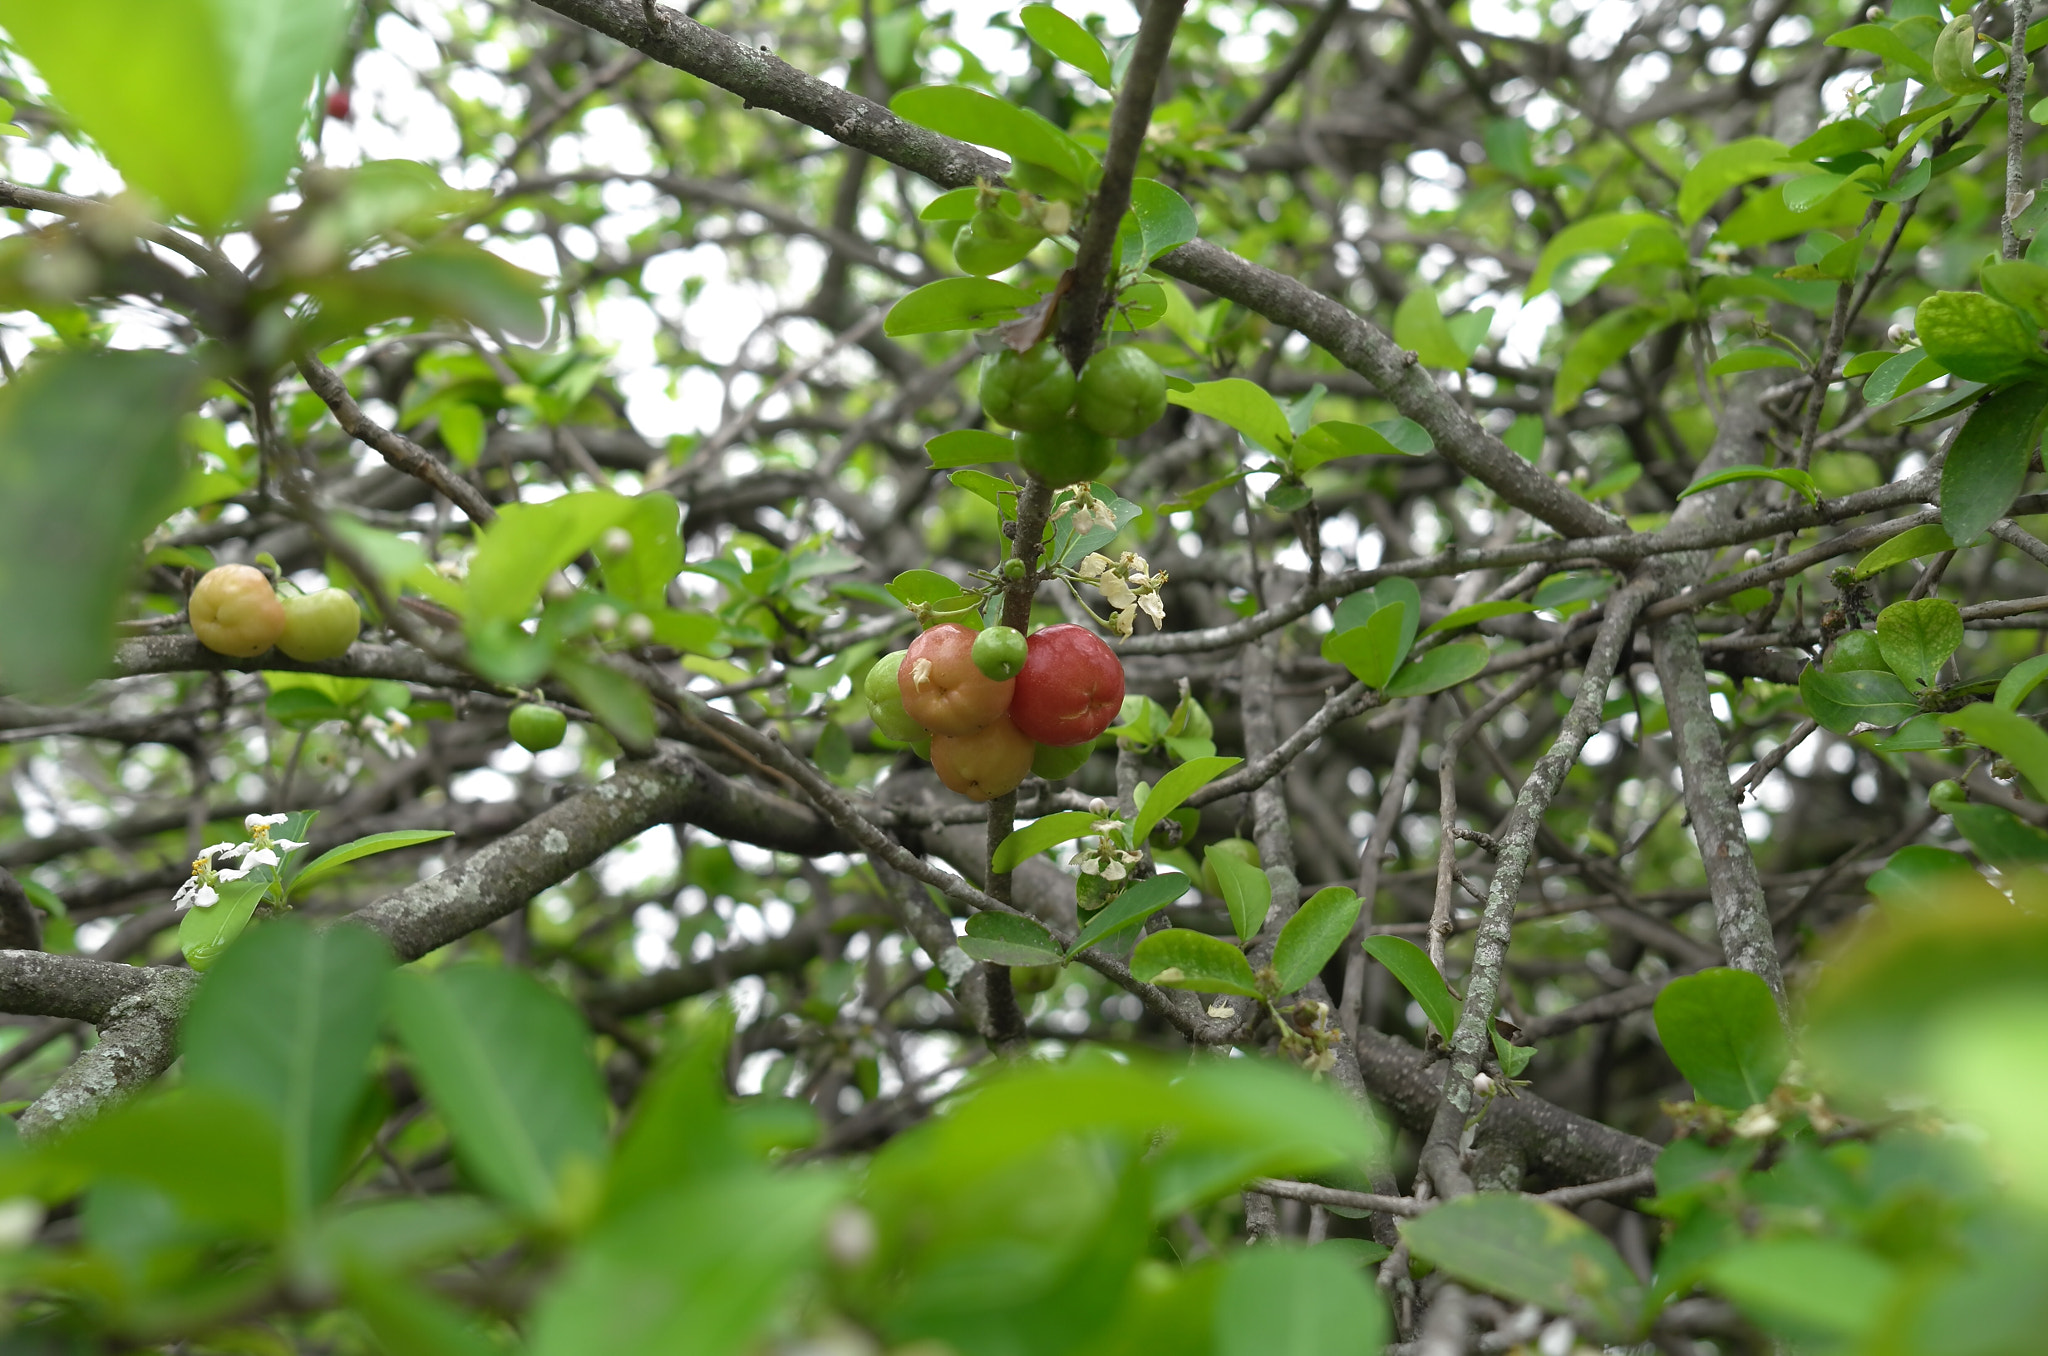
column 985, row 764
column 1071, row 688
column 337, row 103
column 943, row 690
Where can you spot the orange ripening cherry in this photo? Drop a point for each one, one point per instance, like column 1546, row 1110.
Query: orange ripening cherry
column 234, row 611
column 986, row 763
column 942, row 688
column 1071, row 688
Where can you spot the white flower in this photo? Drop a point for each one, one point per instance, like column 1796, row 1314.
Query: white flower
column 1756, row 1123
column 1129, row 586
column 260, row 857
column 195, row 893
column 264, row 822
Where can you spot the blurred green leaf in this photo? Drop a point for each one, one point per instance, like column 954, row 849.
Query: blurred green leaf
column 508, row 1066
column 88, row 458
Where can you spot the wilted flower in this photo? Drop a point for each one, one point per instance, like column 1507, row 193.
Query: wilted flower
column 1756, row 1123
column 387, row 732
column 1086, row 510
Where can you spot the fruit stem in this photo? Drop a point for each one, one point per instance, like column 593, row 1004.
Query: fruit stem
column 1034, row 502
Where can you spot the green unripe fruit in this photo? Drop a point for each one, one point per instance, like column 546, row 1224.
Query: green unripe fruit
column 885, row 700
column 1056, row 764
column 1065, row 454
column 537, row 728
column 319, row 626
column 1013, row 569
column 985, row 246
column 1942, row 795
column 1029, row 390
column 1033, row 978
column 1000, row 652
column 1241, row 848
column 1121, row 393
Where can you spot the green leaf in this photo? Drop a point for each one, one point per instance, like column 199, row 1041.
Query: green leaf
column 922, row 586
column 1133, row 906
column 1600, row 346
column 969, row 447
column 214, row 1155
column 1174, row 788
column 1602, row 234
column 1360, row 608
column 1444, row 667
column 1410, row 964
column 1881, row 41
column 1313, row 935
column 641, row 576
column 1479, row 612
column 1246, row 890
column 1806, row 1284
column 620, row 704
column 1987, row 462
column 199, row 103
column 1921, row 876
column 1419, row 326
column 1977, row 337
column 1755, row 358
column 1165, row 221
column 1000, row 124
column 1531, row 1252
column 1373, row 651
column 204, row 935
column 1334, row 438
column 1911, row 544
column 2001, row 837
column 332, row 860
column 1182, row 959
column 1287, row 1301
column 406, row 1318
column 991, row 489
column 1025, row 843
column 1006, row 939
column 1843, row 701
column 1917, row 635
column 508, row 1066
column 1798, row 480
column 288, row 1020
column 2020, row 285
column 529, row 542
column 88, row 458
column 1942, row 404
column 1243, row 405
column 674, row 1276
column 1068, row 41
column 2010, row 735
column 1722, row 168
column 1721, row 1028
column 956, row 304
column 2023, row 678
column 448, row 278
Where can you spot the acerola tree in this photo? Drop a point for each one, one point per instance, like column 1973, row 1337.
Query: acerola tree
column 1205, row 678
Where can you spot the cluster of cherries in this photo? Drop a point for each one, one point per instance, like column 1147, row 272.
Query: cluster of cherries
column 997, row 706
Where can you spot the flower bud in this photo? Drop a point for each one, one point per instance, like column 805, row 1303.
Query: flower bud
column 559, row 589
column 639, row 628
column 616, row 542
column 605, row 618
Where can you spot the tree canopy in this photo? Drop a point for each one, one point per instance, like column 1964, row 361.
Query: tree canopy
column 1259, row 679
